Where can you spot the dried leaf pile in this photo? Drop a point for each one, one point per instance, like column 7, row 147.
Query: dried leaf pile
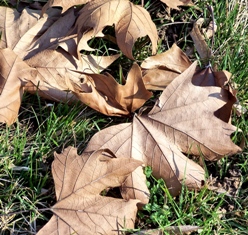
column 41, row 52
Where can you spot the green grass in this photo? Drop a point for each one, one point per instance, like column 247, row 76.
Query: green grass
column 26, row 148
column 213, row 212
column 26, row 155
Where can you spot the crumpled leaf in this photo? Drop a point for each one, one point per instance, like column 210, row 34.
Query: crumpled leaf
column 27, row 35
column 175, row 3
column 131, row 22
column 113, row 98
column 199, row 40
column 14, row 74
column 161, row 69
column 183, row 119
column 79, row 180
column 57, row 70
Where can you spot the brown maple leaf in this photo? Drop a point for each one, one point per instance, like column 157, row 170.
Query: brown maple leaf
column 79, row 181
column 131, row 22
column 14, row 74
column 113, row 98
column 27, row 35
column 65, row 4
column 159, row 70
column 182, row 120
column 58, row 70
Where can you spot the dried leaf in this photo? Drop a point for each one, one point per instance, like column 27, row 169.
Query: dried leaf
column 182, row 120
column 14, row 73
column 65, row 4
column 113, row 98
column 79, row 180
column 161, row 69
column 131, row 22
column 210, row 30
column 193, row 115
column 26, row 34
column 175, row 3
column 199, row 41
column 173, row 59
column 206, row 77
column 57, row 70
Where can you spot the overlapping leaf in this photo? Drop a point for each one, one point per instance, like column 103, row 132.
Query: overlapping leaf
column 113, row 98
column 48, row 44
column 58, row 70
column 13, row 77
column 79, row 180
column 183, row 119
column 65, row 4
column 27, row 35
column 131, row 22
column 161, row 69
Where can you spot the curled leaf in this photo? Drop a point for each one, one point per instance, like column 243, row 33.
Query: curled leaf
column 131, row 22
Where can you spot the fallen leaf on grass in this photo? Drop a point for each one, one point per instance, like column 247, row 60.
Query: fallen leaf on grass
column 182, row 120
column 161, row 69
column 199, row 40
column 65, row 4
column 57, row 70
column 79, row 181
column 14, row 74
column 113, row 98
column 47, row 44
column 175, row 3
column 26, row 34
column 131, row 22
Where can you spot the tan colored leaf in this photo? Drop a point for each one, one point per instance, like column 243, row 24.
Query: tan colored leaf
column 174, row 59
column 183, row 119
column 131, row 22
column 192, row 130
column 57, row 70
column 28, row 34
column 14, row 73
column 161, row 69
column 210, row 30
column 175, row 3
column 119, row 139
column 79, row 181
column 65, row 4
column 199, row 41
column 113, row 98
